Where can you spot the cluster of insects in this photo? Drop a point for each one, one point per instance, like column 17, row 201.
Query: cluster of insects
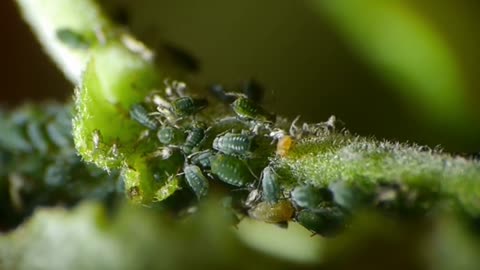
column 236, row 152
column 39, row 165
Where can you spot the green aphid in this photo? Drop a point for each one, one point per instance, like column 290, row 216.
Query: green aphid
column 271, row 190
column 279, row 212
column 72, row 39
column 58, row 135
column 233, row 144
column 247, row 109
column 196, row 180
column 201, row 159
column 170, row 135
column 311, row 197
column 231, row 170
column 327, row 221
column 194, row 138
column 186, row 106
column 140, row 114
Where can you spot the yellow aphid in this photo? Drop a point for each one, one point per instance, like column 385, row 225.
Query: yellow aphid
column 284, row 144
column 273, row 213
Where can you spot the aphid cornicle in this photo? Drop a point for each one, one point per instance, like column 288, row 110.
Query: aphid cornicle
column 311, row 197
column 196, row 180
column 233, row 144
column 194, row 137
column 325, row 221
column 140, row 114
column 201, row 159
column 272, row 213
column 186, row 106
column 270, row 188
column 247, row 109
column 231, row 170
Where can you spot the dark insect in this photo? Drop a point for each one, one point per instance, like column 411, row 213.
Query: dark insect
column 196, row 180
column 201, row 159
column 249, row 110
column 253, row 90
column 140, row 114
column 233, row 144
column 194, row 137
column 280, row 212
column 327, row 221
column 231, row 170
column 186, row 106
column 270, row 188
column 182, row 57
column 72, row 39
column 311, row 197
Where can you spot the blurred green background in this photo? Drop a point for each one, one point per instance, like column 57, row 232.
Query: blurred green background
column 402, row 70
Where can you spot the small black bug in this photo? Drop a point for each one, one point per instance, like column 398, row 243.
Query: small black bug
column 253, row 90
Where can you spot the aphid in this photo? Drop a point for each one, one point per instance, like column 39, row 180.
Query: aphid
column 247, row 109
column 326, row 221
column 58, row 136
column 311, row 197
column 72, row 39
column 170, row 135
column 231, row 170
column 253, row 197
column 140, row 114
column 37, row 139
column 186, row 106
column 196, row 180
column 284, row 145
column 270, row 188
column 233, row 144
column 194, row 137
column 280, row 212
column 201, row 159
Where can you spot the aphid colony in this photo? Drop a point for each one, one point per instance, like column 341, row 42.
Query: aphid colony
column 234, row 152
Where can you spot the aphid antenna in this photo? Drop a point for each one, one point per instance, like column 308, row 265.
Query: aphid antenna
column 196, row 153
column 294, row 130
